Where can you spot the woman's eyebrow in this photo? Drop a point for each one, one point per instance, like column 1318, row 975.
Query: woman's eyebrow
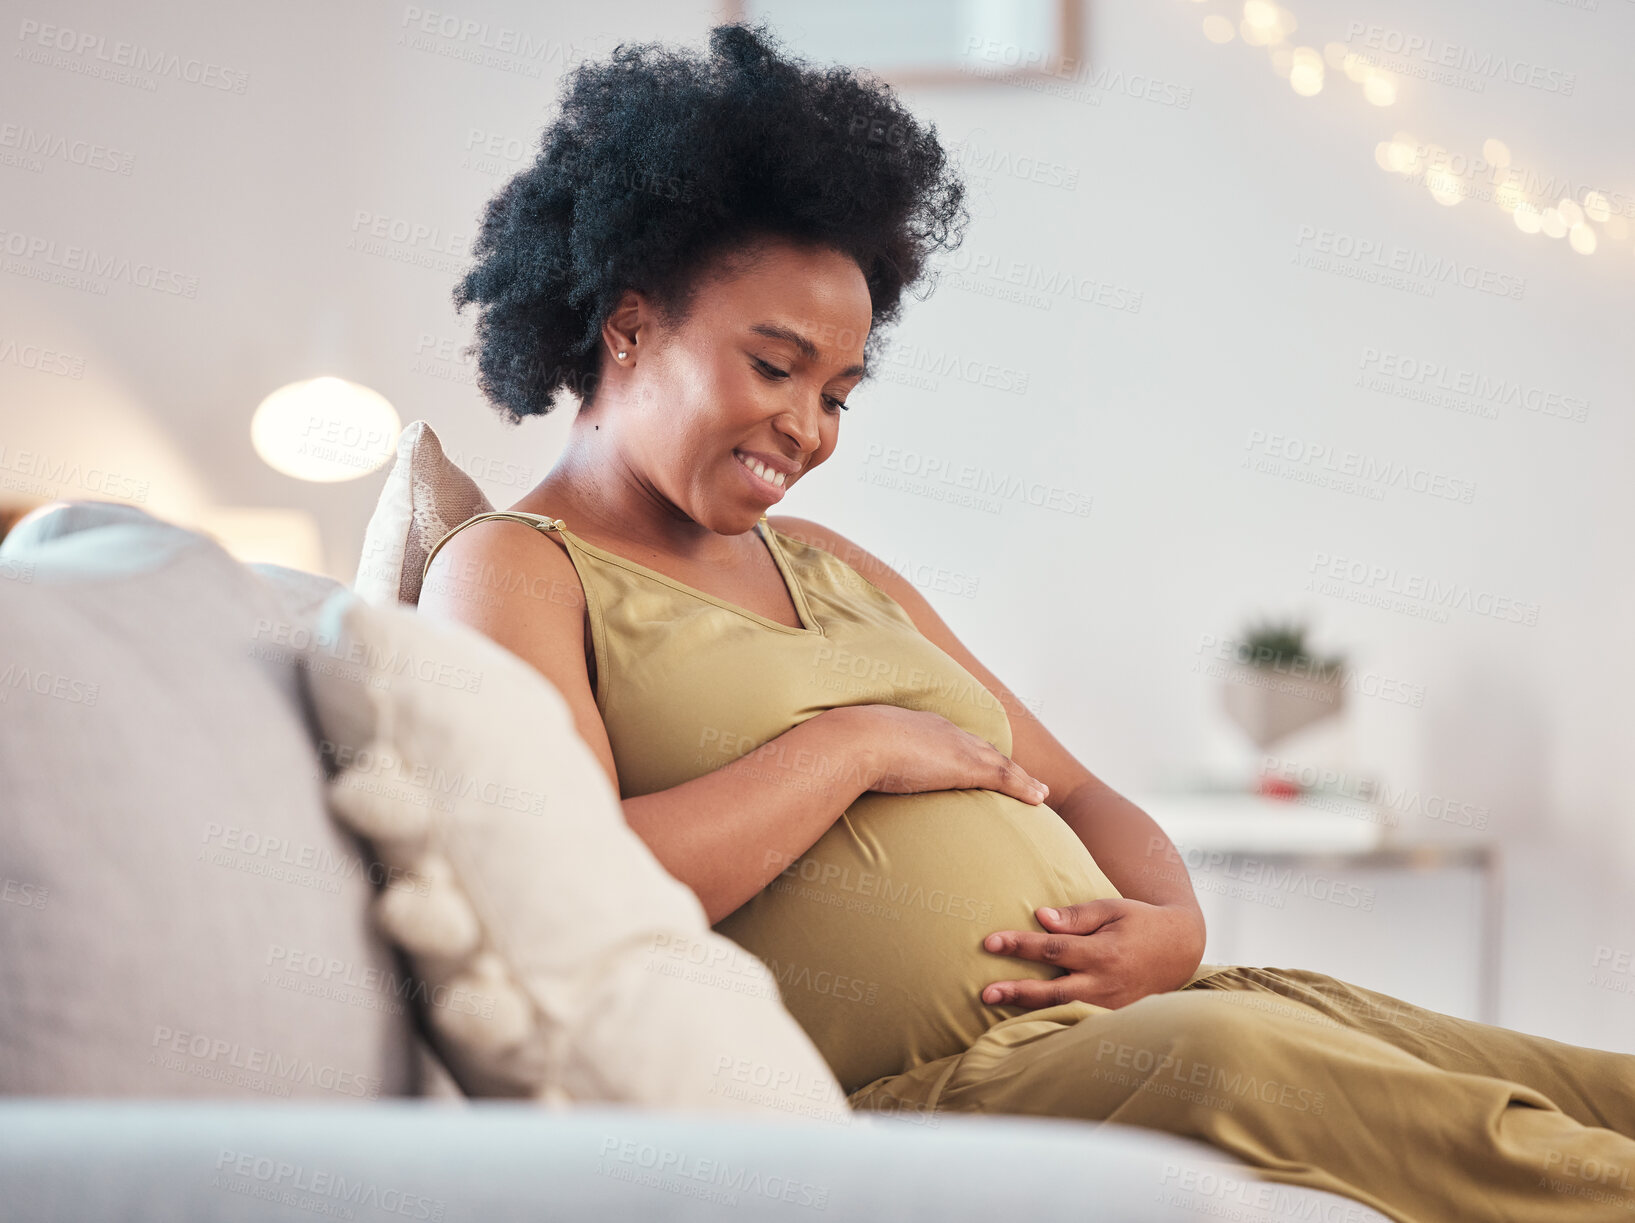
column 807, row 349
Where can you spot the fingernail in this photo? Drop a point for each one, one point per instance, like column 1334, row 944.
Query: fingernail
column 1052, row 915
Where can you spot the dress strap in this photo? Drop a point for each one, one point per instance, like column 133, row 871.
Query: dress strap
column 540, row 522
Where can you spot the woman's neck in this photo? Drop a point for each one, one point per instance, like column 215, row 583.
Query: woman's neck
column 600, row 496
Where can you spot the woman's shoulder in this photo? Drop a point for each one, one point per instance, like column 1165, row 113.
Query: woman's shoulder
column 462, row 528
column 499, row 553
column 825, row 544
column 499, row 576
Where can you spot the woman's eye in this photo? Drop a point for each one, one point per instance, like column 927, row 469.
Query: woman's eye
column 774, row 373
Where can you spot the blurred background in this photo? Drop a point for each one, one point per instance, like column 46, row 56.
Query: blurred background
column 1267, row 434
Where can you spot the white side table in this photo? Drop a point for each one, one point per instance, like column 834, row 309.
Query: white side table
column 1253, row 848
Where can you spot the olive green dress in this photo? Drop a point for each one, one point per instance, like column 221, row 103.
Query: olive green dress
column 875, row 935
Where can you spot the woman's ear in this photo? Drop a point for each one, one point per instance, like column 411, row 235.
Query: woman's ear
column 622, row 328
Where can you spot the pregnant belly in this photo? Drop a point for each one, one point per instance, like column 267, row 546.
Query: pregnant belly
column 875, row 933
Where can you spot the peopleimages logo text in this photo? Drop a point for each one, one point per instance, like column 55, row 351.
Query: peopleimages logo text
column 1456, row 57
column 1437, row 269
column 1388, row 579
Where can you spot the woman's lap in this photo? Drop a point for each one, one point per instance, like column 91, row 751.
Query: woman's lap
column 1593, row 1086
column 1318, row 1081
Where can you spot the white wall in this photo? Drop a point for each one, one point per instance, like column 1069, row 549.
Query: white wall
column 1198, row 168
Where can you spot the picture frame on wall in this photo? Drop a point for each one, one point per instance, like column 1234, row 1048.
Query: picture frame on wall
column 929, row 42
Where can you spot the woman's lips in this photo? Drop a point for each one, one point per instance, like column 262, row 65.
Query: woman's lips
column 766, row 489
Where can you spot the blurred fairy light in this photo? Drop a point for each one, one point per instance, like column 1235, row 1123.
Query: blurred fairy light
column 1306, row 74
column 1394, row 156
column 1448, row 178
column 1444, row 187
column 1260, row 25
column 1380, row 88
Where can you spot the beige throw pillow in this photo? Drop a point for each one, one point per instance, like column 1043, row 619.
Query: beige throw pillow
column 561, row 960
column 426, row 495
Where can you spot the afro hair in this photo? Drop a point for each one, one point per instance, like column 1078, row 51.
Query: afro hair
column 659, row 162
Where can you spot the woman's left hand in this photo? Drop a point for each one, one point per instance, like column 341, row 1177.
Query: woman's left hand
column 1115, row 951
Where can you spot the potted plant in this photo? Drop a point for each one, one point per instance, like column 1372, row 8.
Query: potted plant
column 1277, row 685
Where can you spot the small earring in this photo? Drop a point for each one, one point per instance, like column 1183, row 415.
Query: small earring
column 622, row 356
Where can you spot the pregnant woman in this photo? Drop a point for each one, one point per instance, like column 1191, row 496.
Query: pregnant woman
column 958, row 912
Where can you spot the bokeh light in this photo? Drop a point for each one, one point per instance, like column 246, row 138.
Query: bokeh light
column 1306, row 74
column 1394, row 156
column 1261, row 15
column 1444, row 187
column 1380, row 88
column 1449, row 178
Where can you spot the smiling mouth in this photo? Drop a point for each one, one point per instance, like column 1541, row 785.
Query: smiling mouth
column 775, row 478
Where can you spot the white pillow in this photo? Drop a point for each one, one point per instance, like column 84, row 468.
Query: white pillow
column 426, row 495
column 559, row 959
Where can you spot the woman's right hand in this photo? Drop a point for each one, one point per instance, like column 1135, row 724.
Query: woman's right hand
column 910, row 751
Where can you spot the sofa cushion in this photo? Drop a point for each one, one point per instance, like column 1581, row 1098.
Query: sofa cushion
column 87, row 1161
column 425, row 496
column 563, row 962
column 181, row 915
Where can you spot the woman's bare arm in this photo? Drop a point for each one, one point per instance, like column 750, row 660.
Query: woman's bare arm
column 726, row 834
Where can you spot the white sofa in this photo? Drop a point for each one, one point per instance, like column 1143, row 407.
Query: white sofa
column 170, row 873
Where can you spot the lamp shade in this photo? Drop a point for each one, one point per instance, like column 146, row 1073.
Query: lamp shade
column 325, row 430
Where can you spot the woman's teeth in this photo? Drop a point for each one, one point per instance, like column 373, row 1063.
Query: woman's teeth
column 760, row 469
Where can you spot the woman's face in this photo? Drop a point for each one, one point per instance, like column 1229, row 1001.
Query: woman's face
column 756, row 371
